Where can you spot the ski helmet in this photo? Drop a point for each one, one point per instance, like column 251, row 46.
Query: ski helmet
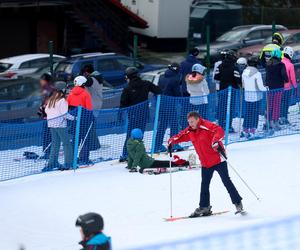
column 227, row 54
column 288, row 51
column 174, row 67
column 131, row 72
column 79, row 81
column 60, row 86
column 198, row 68
column 91, row 223
column 278, row 38
column 253, row 61
column 137, row 134
column 242, row 61
column 276, row 53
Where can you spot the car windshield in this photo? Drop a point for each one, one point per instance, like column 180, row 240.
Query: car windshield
column 269, row 39
column 64, row 67
column 4, row 66
column 232, row 36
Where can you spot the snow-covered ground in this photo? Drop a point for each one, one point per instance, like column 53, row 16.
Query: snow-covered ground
column 39, row 211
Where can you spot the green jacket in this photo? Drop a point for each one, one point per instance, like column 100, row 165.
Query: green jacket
column 137, row 155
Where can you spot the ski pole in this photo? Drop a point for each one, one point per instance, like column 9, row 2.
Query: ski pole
column 222, row 153
column 171, row 184
column 42, row 153
column 82, row 144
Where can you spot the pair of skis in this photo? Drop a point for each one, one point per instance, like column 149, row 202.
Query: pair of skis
column 171, row 219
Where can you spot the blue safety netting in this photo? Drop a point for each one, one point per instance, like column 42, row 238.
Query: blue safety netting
column 100, row 135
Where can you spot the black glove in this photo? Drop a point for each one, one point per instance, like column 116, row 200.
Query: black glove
column 170, row 149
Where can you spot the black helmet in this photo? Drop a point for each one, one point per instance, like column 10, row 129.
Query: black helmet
column 131, row 72
column 194, row 51
column 227, row 54
column 46, row 77
column 91, row 223
column 278, row 38
column 253, row 61
column 174, row 67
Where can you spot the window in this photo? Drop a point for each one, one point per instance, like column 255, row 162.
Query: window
column 4, row 66
column 254, row 35
column 126, row 62
column 266, row 33
column 107, row 65
column 86, row 63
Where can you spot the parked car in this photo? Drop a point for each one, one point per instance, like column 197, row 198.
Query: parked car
column 153, row 76
column 237, row 38
column 12, row 67
column 111, row 65
column 291, row 37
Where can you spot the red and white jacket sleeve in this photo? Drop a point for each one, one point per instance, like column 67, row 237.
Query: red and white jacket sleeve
column 183, row 136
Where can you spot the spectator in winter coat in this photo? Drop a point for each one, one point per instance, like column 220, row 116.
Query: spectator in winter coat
column 253, row 86
column 47, row 89
column 91, row 227
column 170, row 84
column 137, row 156
column 228, row 75
column 197, row 87
column 79, row 96
column 186, row 68
column 207, row 140
column 290, row 87
column 94, row 85
column 57, row 115
column 135, row 98
column 276, row 77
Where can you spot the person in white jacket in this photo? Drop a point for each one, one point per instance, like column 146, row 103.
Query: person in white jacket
column 57, row 116
column 198, row 89
column 253, row 87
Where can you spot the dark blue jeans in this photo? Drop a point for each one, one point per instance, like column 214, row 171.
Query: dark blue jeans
column 207, row 174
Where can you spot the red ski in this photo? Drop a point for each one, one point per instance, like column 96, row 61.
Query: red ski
column 187, row 217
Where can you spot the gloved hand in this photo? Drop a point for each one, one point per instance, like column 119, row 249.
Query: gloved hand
column 170, row 147
column 215, row 146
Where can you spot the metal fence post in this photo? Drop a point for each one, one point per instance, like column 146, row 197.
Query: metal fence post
column 229, row 93
column 77, row 131
column 157, row 108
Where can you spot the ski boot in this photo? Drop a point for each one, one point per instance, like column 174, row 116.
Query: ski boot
column 133, row 170
column 239, row 208
column 201, row 211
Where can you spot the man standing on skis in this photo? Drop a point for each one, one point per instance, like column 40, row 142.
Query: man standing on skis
column 207, row 140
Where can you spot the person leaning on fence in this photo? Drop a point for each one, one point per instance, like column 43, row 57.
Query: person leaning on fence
column 197, row 87
column 138, row 158
column 134, row 98
column 170, row 84
column 79, row 96
column 290, row 87
column 207, row 139
column 91, row 227
column 253, row 87
column 227, row 74
column 46, row 90
column 94, row 85
column 276, row 77
column 57, row 116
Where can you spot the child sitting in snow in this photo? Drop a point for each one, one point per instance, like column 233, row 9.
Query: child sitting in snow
column 137, row 156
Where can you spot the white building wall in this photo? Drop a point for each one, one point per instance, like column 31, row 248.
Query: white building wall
column 166, row 18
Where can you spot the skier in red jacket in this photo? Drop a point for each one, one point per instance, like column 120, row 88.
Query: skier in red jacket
column 207, row 140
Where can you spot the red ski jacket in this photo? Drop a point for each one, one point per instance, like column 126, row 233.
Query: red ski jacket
column 80, row 97
column 203, row 138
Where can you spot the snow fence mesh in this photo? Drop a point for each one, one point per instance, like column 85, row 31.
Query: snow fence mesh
column 277, row 235
column 100, row 135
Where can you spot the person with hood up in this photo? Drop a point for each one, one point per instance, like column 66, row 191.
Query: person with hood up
column 170, row 84
column 134, row 98
column 197, row 87
column 91, row 230
column 94, row 85
column 138, row 158
column 290, row 87
column 276, row 77
column 254, row 87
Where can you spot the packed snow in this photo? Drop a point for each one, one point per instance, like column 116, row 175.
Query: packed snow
column 39, row 211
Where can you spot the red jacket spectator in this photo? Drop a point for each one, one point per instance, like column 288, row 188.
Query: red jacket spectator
column 79, row 96
column 203, row 139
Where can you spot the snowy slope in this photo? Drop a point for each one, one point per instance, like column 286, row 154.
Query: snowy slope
column 40, row 211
